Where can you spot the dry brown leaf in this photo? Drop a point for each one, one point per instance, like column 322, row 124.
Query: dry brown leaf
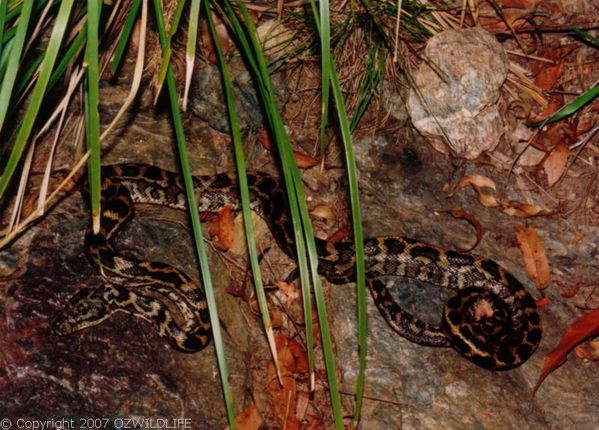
column 248, row 419
column 460, row 214
column 522, row 210
column 304, row 161
column 222, row 229
column 338, row 235
column 487, row 196
column 206, row 39
column 264, row 139
column 484, row 187
column 556, row 162
column 549, row 75
column 535, row 259
column 292, row 359
column 323, row 211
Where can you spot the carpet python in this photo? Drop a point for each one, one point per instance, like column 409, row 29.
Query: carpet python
column 489, row 317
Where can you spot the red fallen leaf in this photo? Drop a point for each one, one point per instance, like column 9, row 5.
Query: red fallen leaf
column 248, row 419
column 549, row 75
column 264, row 139
column 304, row 161
column 556, row 162
column 541, row 303
column 535, row 259
column 338, row 235
column 222, row 228
column 458, row 213
column 583, row 328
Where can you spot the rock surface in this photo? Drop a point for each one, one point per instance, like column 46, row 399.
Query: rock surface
column 458, row 87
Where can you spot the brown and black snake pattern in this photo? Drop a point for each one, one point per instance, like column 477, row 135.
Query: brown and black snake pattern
column 489, row 318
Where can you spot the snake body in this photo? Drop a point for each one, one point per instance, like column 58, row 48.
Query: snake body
column 489, row 318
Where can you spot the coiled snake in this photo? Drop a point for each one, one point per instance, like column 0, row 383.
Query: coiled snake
column 489, row 318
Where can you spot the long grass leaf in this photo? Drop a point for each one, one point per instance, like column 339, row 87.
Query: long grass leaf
column 14, row 59
column 357, row 230
column 91, row 104
column 250, row 47
column 244, row 194
column 195, row 223
column 58, row 32
column 166, row 54
column 572, row 107
column 3, row 6
column 325, row 62
column 123, row 41
column 190, row 50
column 297, row 200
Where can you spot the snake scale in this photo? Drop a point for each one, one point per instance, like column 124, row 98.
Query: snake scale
column 489, row 318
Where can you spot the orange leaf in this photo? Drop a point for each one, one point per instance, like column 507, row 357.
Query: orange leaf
column 485, row 187
column 264, row 139
column 548, row 76
column 535, row 259
column 222, row 228
column 555, row 163
column 584, row 327
column 248, row 419
column 542, row 302
column 304, row 161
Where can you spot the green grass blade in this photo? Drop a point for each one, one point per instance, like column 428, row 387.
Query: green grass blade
column 166, row 54
column 586, row 36
column 325, row 62
column 244, row 191
column 126, row 31
column 10, row 75
column 572, row 107
column 299, row 211
column 195, row 222
column 37, row 95
column 92, row 116
column 352, row 175
column 357, row 230
column 3, row 6
column 249, row 49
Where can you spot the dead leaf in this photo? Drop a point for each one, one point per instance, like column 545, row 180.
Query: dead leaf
column 292, row 359
column 583, row 328
column 522, row 210
column 206, row 42
column 460, row 214
column 535, row 259
column 248, row 419
column 323, row 211
column 542, row 302
column 549, row 75
column 339, row 234
column 304, row 161
column 264, row 139
column 222, row 229
column 484, row 187
column 556, row 162
column 487, row 196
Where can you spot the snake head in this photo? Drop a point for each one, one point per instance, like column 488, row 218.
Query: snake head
column 85, row 309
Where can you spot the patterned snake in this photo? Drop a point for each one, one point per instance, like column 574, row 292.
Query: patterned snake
column 489, row 318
